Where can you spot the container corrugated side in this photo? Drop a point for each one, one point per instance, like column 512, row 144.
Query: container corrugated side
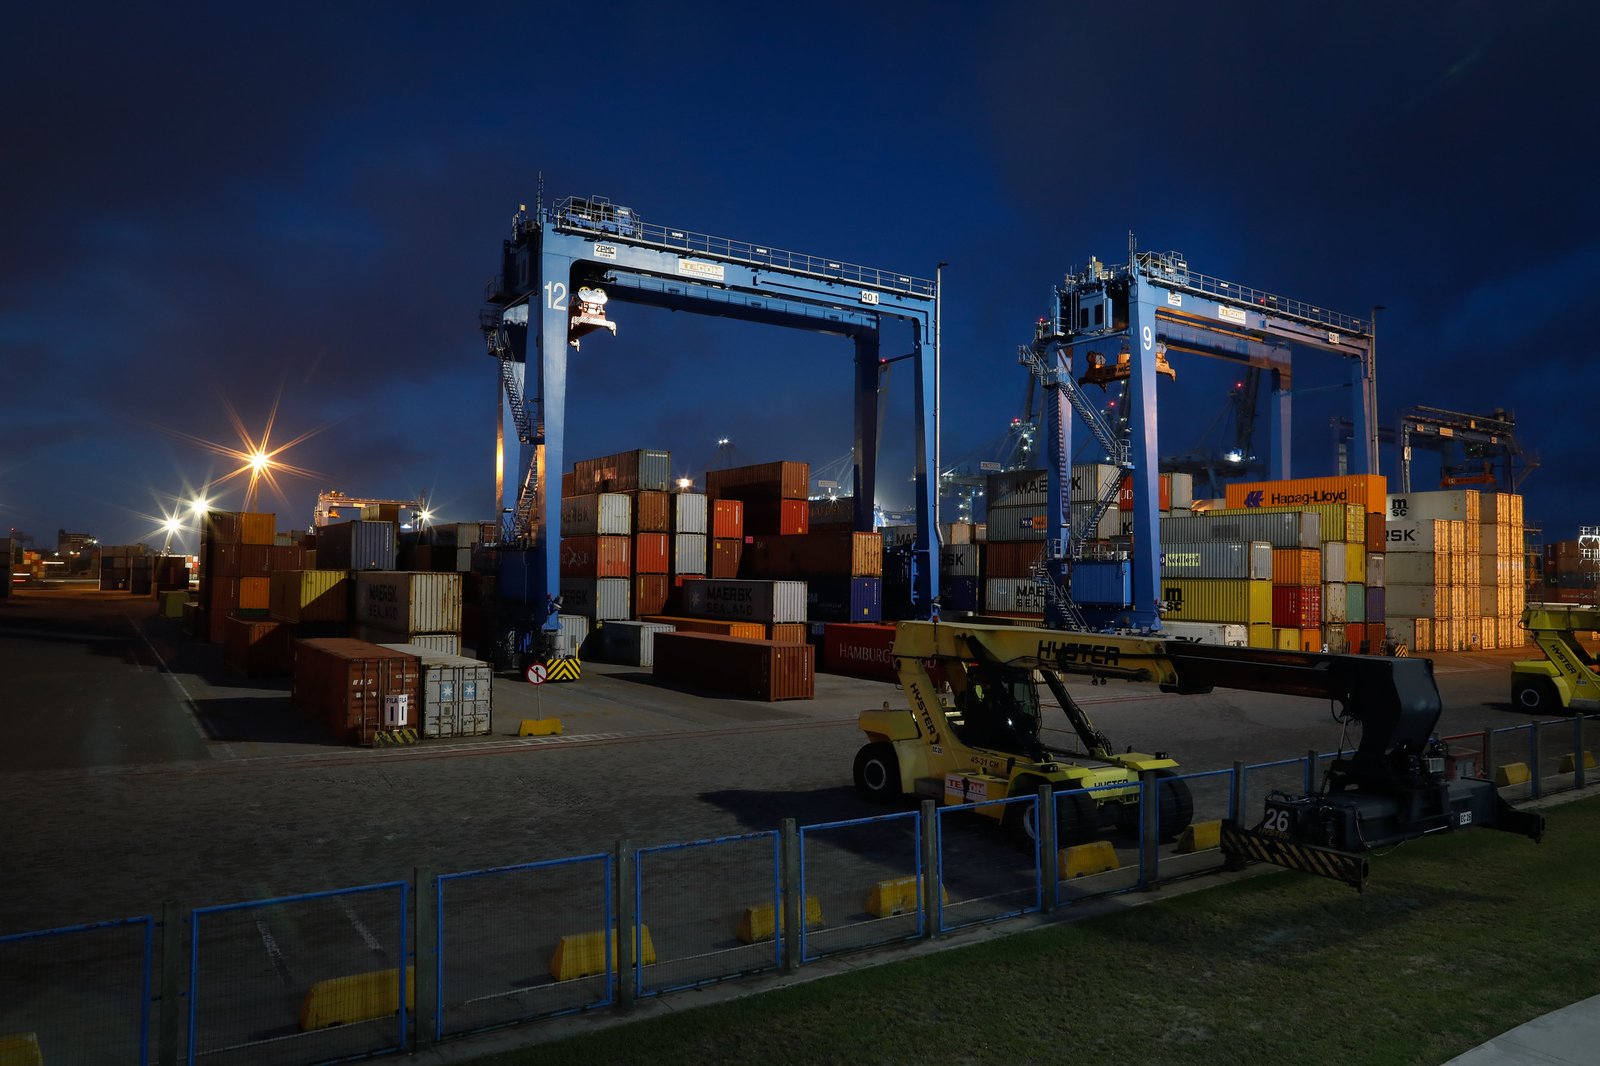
column 857, row 650
column 746, row 601
column 1296, row 566
column 1458, row 505
column 717, row 626
column 1333, row 561
column 753, row 669
column 1217, row 558
column 457, row 693
column 309, row 595
column 1015, row 594
column 1377, row 569
column 356, row 687
column 1281, row 529
column 1012, row 488
column 439, row 643
column 1355, row 603
column 1355, row 563
column 1367, row 490
column 690, row 513
column 630, row 643
column 255, row 647
column 1417, row 535
column 600, row 599
column 403, row 601
column 596, row 556
column 642, row 468
column 357, row 545
column 652, row 511
column 1334, row 603
column 600, row 514
column 1297, row 606
column 1090, row 482
column 1012, row 559
column 844, row 599
column 1229, row 635
column 689, row 553
column 727, row 519
column 761, row 481
column 959, row 560
column 1240, row 600
column 1377, row 604
column 836, row 553
column 1025, row 522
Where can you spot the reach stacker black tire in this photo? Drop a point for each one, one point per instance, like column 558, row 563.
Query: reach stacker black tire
column 877, row 773
column 1077, row 818
column 1174, row 804
column 1536, row 695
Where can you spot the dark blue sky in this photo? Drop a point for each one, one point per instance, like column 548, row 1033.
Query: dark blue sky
column 207, row 205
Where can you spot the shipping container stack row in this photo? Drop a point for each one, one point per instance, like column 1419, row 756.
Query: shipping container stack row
column 125, row 568
column 1458, row 572
column 1572, row 569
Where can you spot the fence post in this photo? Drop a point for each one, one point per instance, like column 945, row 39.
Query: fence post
column 1578, row 752
column 426, row 924
column 1536, row 788
column 1048, row 847
column 1149, row 831
column 1236, row 796
column 793, row 903
column 1311, row 770
column 627, row 922
column 167, row 1022
column 933, row 915
column 1488, row 754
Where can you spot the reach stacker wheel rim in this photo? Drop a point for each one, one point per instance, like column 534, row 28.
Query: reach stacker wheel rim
column 1534, row 694
column 877, row 773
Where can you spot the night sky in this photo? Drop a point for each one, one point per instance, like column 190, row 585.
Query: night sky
column 211, row 207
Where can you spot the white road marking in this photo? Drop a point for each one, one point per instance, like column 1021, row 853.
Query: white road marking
column 194, row 711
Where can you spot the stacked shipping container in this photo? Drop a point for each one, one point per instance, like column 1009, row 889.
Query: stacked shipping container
column 1456, row 573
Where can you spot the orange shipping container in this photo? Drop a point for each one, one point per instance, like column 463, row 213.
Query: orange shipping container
column 595, row 557
column 785, row 518
column 650, row 594
column 253, row 647
column 650, row 553
column 1011, row 558
column 727, row 519
column 1125, row 493
column 716, row 626
column 255, row 593
column 1297, row 566
column 786, row 632
column 1367, row 490
column 257, row 528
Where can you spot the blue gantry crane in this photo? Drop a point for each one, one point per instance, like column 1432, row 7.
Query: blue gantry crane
column 1152, row 306
column 564, row 268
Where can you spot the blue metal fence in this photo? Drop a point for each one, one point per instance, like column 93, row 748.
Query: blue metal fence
column 982, row 876
column 80, row 993
column 311, row 978
column 519, row 942
column 703, row 919
column 865, row 878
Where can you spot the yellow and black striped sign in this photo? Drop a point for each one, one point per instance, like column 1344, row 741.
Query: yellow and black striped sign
column 565, row 668
column 383, row 737
column 1241, row 845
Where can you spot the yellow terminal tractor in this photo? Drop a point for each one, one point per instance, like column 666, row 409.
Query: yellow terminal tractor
column 984, row 741
column 1568, row 677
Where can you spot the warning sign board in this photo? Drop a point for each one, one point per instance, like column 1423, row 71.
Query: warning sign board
column 536, row 673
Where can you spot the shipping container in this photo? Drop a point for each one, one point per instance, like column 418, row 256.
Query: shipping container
column 953, row 534
column 457, row 693
column 689, row 553
column 1102, row 582
column 408, row 602
column 216, row 527
column 955, row 560
column 854, row 650
column 1416, row 568
column 1226, row 634
column 1459, row 505
column 961, row 594
column 727, row 519
column 1335, row 641
column 603, row 514
column 642, row 468
column 1025, row 522
column 726, row 555
column 1241, row 601
column 650, row 593
column 1355, row 562
column 1335, row 604
column 1366, row 490
column 357, row 545
column 1376, row 637
column 1334, row 566
column 256, row 647
column 628, row 643
column 652, row 511
column 690, row 513
column 1022, row 595
column 1297, row 606
column 1377, row 569
column 1217, row 558
column 1296, row 566
column 1011, row 559
column 357, row 688
column 1110, row 525
column 309, row 595
column 746, row 601
column 837, row 512
column 1012, row 488
column 1090, row 482
column 831, row 554
column 1260, row 635
column 596, row 557
column 750, row 669
column 1163, row 494
column 1281, row 529
column 717, row 626
column 650, row 553
column 777, row 517
column 1286, row 639
column 761, row 481
column 844, row 599
column 1377, row 529
column 254, row 593
column 1355, row 603
column 1416, row 601
column 601, row 599
column 1377, row 606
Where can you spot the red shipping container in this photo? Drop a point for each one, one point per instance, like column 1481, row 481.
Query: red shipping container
column 763, row 481
column 220, row 560
column 1297, row 606
column 649, row 594
column 357, row 688
column 1125, row 493
column 752, row 669
column 255, row 560
column 1012, row 559
column 1377, row 532
column 725, row 556
column 596, row 557
column 857, row 649
column 727, row 519
column 650, row 553
column 832, row 553
column 782, row 518
column 1355, row 635
column 254, row 646
column 288, row 557
column 1377, row 635
column 569, row 485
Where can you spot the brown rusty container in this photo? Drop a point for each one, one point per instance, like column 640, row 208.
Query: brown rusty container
column 836, row 553
column 652, row 511
column 762, row 481
column 1012, row 559
column 255, row 560
column 357, row 688
column 254, row 647
column 725, row 557
column 596, row 557
column 739, row 666
column 715, row 626
column 727, row 519
column 786, row 632
column 220, row 560
column 220, row 527
column 650, row 594
column 1377, row 532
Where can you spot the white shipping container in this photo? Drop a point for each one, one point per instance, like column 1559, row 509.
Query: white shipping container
column 956, row 533
column 457, row 693
column 1416, row 601
column 1417, row 568
column 1333, row 561
column 1091, row 482
column 1014, row 487
column 689, row 553
column 1335, row 600
column 1455, row 505
column 746, row 601
column 1013, row 594
column 1377, row 570
column 1233, row 636
column 960, row 560
column 631, row 643
column 439, row 643
column 1182, row 491
column 406, row 601
column 1110, row 522
column 600, row 599
column 1500, row 540
column 689, row 511
column 574, row 630
column 1416, row 535
column 1217, row 558
column 597, row 514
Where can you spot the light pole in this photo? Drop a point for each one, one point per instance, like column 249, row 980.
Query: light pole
column 938, row 435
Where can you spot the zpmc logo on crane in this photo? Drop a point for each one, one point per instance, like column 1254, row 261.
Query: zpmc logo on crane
column 1253, row 499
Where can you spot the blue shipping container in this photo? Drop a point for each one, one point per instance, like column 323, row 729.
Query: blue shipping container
column 1102, row 582
column 844, row 599
column 960, row 593
column 1375, row 604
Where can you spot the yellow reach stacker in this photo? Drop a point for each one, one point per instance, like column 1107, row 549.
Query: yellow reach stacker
column 1566, row 679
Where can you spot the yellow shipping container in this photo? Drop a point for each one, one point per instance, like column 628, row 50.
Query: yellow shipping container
column 1286, row 639
column 255, row 593
column 1355, row 563
column 1368, row 491
column 1296, row 566
column 1237, row 600
column 309, row 595
column 1260, row 635
column 257, row 528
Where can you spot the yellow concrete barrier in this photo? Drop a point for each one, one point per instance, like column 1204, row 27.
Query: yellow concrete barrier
column 897, row 896
column 1512, row 773
column 360, row 997
column 20, row 1049
column 539, row 727
column 757, row 922
column 1096, row 857
column 1201, row 836
column 584, row 954
column 1569, row 762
